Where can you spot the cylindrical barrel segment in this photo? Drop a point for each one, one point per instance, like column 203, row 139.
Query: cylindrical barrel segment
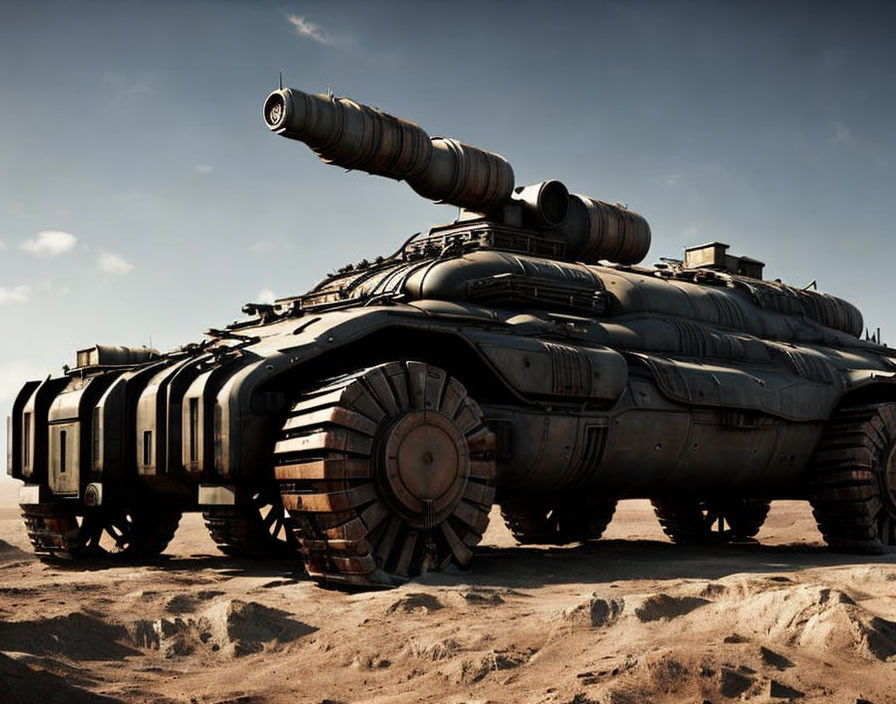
column 355, row 136
column 595, row 230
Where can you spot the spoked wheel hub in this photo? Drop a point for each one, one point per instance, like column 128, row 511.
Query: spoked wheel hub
column 425, row 465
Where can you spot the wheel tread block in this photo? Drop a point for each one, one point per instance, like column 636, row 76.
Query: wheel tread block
column 360, row 564
column 453, row 398
column 337, row 468
column 467, row 419
column 397, row 377
column 852, row 456
column 473, row 516
column 458, row 548
column 850, row 492
column 480, row 469
column 482, row 443
column 483, row 494
column 382, row 390
column 333, row 415
column 402, row 567
column 339, row 439
column 843, row 477
column 435, row 387
column 417, row 384
column 344, row 548
column 330, row 502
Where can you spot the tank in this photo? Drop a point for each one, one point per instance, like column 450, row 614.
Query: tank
column 519, row 356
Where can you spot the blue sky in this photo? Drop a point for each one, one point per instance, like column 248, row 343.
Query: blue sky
column 131, row 133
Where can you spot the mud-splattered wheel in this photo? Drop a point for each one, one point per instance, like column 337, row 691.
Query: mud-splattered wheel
column 689, row 521
column 852, row 479
column 58, row 532
column 387, row 472
column 258, row 527
column 560, row 522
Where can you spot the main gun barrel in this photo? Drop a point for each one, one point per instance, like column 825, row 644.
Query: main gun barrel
column 355, row 136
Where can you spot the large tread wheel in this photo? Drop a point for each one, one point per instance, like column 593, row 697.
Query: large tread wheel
column 386, row 472
column 559, row 522
column 695, row 522
column 853, row 479
column 58, row 531
column 257, row 528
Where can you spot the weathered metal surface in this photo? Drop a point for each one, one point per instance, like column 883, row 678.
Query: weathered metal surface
column 702, row 387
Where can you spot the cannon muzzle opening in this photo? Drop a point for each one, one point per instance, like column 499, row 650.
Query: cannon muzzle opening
column 275, row 110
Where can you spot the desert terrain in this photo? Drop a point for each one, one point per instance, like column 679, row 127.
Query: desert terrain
column 629, row 619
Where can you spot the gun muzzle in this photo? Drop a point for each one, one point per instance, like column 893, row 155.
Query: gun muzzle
column 355, row 136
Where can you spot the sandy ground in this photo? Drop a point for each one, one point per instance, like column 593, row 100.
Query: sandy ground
column 628, row 620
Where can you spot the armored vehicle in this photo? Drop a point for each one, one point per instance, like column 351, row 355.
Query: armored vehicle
column 519, row 356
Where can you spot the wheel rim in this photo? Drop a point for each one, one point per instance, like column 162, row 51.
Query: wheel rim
column 386, row 473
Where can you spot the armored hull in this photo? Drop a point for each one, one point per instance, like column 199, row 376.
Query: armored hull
column 368, row 426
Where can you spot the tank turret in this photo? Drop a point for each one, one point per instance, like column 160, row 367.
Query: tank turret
column 355, row 136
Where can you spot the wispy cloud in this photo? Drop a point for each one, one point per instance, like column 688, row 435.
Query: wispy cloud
column 203, row 169
column 2, row 244
column 113, row 264
column 49, row 243
column 842, row 133
column 304, row 28
column 672, row 179
column 266, row 295
column 17, row 294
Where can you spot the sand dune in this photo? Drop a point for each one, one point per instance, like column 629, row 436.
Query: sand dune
column 628, row 619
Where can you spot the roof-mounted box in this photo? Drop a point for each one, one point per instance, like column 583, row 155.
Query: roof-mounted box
column 714, row 255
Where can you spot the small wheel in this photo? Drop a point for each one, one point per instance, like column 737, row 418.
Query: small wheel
column 387, row 472
column 691, row 521
column 259, row 527
column 560, row 522
column 852, row 479
column 58, row 531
